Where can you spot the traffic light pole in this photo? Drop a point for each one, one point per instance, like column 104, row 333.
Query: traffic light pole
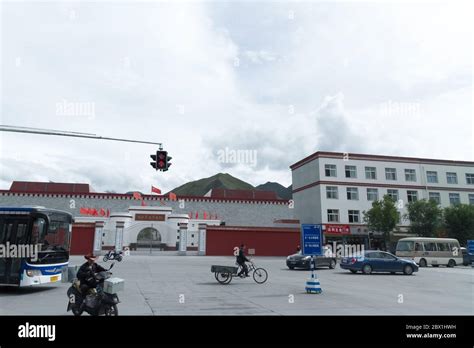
column 4, row 128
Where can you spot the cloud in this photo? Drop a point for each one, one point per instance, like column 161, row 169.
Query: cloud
column 259, row 57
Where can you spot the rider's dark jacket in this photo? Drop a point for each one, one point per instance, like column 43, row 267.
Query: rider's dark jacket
column 241, row 257
column 86, row 274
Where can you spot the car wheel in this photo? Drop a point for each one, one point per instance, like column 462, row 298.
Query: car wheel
column 353, row 271
column 451, row 263
column 423, row 263
column 332, row 264
column 367, row 269
column 408, row 270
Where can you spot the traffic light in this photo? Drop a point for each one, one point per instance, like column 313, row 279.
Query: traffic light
column 154, row 164
column 161, row 160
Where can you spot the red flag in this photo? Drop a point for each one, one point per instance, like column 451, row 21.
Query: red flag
column 108, row 212
column 93, row 212
column 172, row 196
column 83, row 211
column 197, row 215
column 137, row 195
column 102, row 212
column 204, row 215
column 155, row 190
column 143, row 203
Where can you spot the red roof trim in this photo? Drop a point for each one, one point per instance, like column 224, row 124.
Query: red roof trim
column 356, row 156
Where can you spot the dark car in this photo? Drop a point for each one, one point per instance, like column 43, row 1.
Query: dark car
column 301, row 261
column 467, row 259
column 378, row 261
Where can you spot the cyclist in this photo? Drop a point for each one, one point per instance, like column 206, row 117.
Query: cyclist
column 241, row 259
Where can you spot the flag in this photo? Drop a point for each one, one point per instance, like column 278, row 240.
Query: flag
column 102, row 212
column 204, row 216
column 143, row 203
column 137, row 195
column 108, row 212
column 172, row 196
column 83, row 211
column 93, row 212
column 197, row 215
column 155, row 190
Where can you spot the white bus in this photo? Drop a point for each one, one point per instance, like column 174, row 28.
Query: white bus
column 430, row 251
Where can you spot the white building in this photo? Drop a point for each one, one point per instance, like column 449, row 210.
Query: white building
column 335, row 188
column 144, row 226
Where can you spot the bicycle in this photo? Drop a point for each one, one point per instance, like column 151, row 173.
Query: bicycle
column 224, row 274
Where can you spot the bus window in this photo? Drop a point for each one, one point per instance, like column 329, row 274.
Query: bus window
column 37, row 231
column 21, row 234
column 6, row 233
column 418, row 247
column 405, row 246
column 443, row 246
column 430, row 246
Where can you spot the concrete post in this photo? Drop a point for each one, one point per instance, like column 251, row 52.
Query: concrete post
column 202, row 239
column 183, row 238
column 99, row 227
column 119, row 235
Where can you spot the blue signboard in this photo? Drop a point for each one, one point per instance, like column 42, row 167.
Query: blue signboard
column 470, row 247
column 311, row 239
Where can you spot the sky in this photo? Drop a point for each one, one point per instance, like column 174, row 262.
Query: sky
column 246, row 88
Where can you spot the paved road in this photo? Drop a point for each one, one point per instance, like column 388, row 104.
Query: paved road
column 158, row 284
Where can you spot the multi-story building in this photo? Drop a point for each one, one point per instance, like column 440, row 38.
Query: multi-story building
column 334, row 189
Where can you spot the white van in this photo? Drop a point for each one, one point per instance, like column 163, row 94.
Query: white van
column 430, row 251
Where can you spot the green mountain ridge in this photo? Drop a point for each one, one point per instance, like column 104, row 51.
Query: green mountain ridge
column 226, row 181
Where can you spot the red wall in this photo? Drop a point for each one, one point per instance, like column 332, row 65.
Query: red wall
column 82, row 239
column 267, row 241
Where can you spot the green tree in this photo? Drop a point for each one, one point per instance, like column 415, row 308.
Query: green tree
column 459, row 222
column 382, row 217
column 425, row 217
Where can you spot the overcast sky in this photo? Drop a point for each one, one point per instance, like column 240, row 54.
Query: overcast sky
column 273, row 80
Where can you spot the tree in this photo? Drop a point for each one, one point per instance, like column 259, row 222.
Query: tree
column 382, row 217
column 459, row 222
column 425, row 217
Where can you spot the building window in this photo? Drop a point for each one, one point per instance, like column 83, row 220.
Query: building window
column 432, row 177
column 470, row 178
column 372, row 194
column 332, row 192
column 352, row 193
column 454, row 198
column 351, row 172
column 471, row 199
column 393, row 194
column 452, row 178
column 354, row 216
column 192, row 236
column 390, row 174
column 412, row 196
column 333, row 215
column 435, row 196
column 410, row 175
column 370, row 173
column 330, row 170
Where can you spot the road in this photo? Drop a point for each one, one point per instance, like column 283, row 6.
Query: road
column 183, row 285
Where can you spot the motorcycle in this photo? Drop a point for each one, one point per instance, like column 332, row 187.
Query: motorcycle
column 113, row 255
column 96, row 301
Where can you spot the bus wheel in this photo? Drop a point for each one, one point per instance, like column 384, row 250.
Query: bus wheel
column 423, row 263
column 451, row 263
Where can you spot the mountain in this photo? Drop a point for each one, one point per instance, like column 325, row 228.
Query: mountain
column 202, row 186
column 281, row 191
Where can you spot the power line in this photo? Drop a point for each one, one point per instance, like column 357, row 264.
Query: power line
column 15, row 129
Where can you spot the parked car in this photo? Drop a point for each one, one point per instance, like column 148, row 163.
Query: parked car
column 378, row 261
column 301, row 261
column 467, row 259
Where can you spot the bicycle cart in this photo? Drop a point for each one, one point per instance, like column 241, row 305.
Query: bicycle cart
column 224, row 274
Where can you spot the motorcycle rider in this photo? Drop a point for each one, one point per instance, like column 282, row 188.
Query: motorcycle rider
column 86, row 273
column 241, row 259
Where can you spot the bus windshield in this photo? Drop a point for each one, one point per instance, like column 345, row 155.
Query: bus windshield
column 53, row 238
column 405, row 245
